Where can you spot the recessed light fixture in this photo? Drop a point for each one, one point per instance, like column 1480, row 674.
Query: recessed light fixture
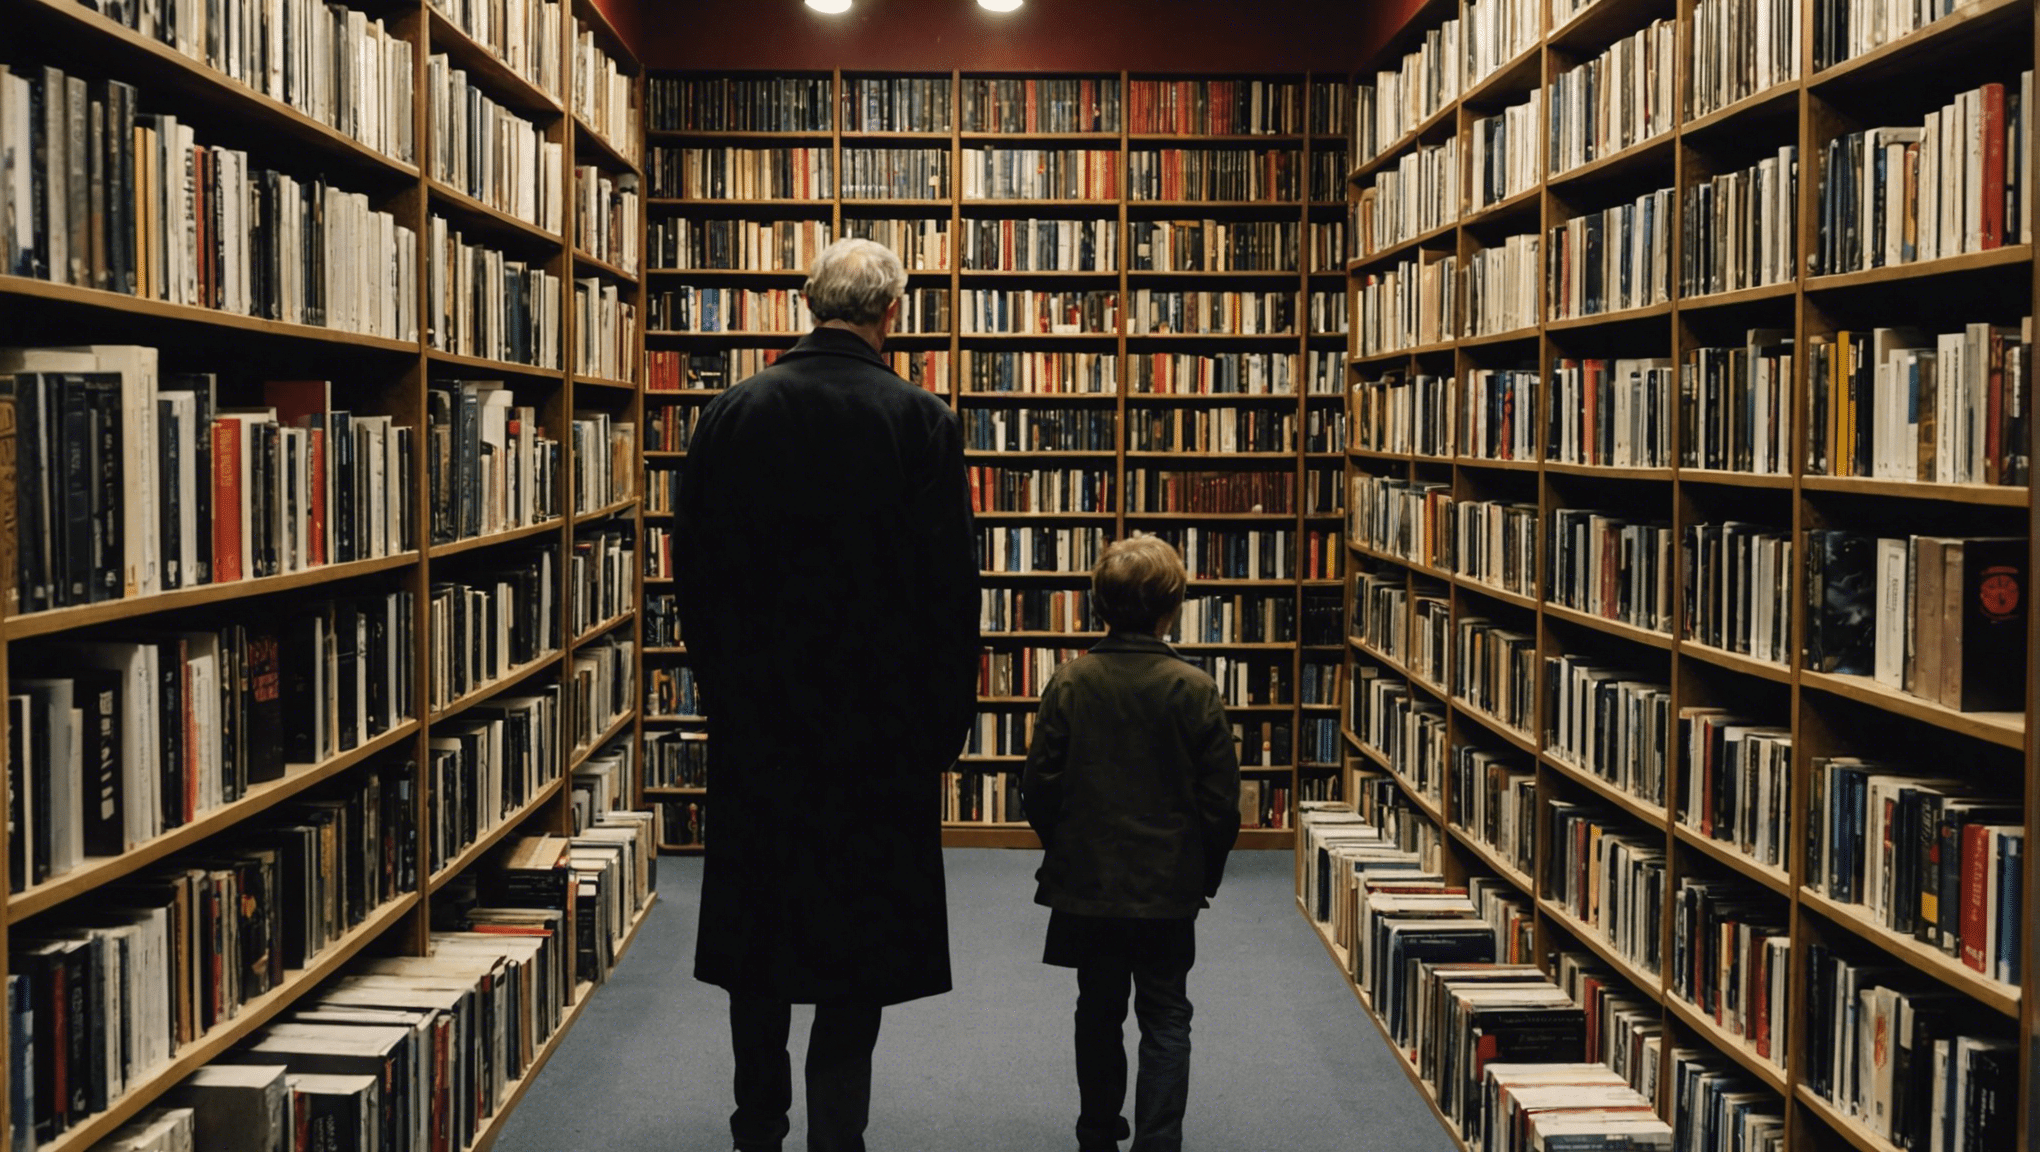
column 1001, row 5
column 832, row 7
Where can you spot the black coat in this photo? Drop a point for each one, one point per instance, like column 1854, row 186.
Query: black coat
column 1133, row 782
column 829, row 583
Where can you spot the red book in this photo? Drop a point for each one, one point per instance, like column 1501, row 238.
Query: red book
column 1993, row 165
column 1976, row 852
column 226, row 481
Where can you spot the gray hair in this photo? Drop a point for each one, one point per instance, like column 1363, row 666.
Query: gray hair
column 854, row 280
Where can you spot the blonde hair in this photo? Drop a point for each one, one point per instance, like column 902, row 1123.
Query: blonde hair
column 854, row 280
column 1138, row 583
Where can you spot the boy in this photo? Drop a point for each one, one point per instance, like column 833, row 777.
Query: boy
column 1133, row 783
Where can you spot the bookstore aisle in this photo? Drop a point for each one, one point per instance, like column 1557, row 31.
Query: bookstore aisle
column 1282, row 1057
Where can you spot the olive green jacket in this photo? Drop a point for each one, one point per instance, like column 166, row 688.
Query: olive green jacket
column 1133, row 783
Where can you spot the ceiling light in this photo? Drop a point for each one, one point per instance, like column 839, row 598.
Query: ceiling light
column 1000, row 5
column 832, row 7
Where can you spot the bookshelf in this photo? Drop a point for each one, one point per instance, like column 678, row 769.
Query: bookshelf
column 1823, row 714
column 391, row 376
column 1076, row 382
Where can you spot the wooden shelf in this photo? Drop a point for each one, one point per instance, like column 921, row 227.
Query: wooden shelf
column 119, row 303
column 606, row 511
column 225, row 1036
column 1851, row 1129
column 1969, row 262
column 503, row 83
column 1628, row 632
column 1783, row 290
column 1989, row 495
column 613, row 271
column 511, row 822
column 666, row 790
column 1649, row 985
column 1625, row 316
column 493, row 539
column 57, row 620
column 496, row 687
column 1733, row 479
column 1727, row 854
column 606, row 154
column 492, row 1129
column 501, row 224
column 2005, row 729
column 1736, row 661
column 157, row 67
column 1651, row 815
column 498, row 367
column 1968, row 22
column 1493, row 859
column 1995, row 995
column 617, row 727
column 1735, row 1047
column 98, row 871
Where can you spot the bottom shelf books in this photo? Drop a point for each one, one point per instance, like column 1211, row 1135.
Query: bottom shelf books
column 410, row 1053
column 979, row 797
column 686, row 823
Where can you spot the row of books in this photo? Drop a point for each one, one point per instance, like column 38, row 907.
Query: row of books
column 1083, row 373
column 1494, row 798
column 1619, row 413
column 698, row 309
column 1610, row 723
column 1177, row 174
column 686, row 822
column 1958, row 182
column 485, row 766
column 1617, row 100
column 1736, row 785
column 896, row 104
column 1329, row 168
column 895, row 174
column 524, row 34
column 1742, row 228
column 1501, row 290
column 1037, row 610
column 1028, row 549
column 982, row 797
column 1732, row 573
column 1215, row 107
column 1845, row 29
column 1503, row 153
column 1740, row 48
column 1045, row 104
column 422, row 1051
column 1000, row 734
column 1047, row 311
column 1608, row 877
column 1019, row 674
column 1420, row 194
column 606, row 335
column 144, row 736
column 1912, row 1063
column 1328, row 249
column 1406, row 730
column 1212, row 245
column 1036, row 245
column 1613, row 567
column 489, row 152
column 1731, row 961
column 683, row 242
column 1168, row 490
column 740, row 174
column 1412, row 303
column 105, row 196
column 481, row 303
column 491, row 466
column 1264, row 803
column 1904, row 404
column 601, row 689
column 1401, row 413
column 676, row 759
column 1612, row 260
column 661, row 622
column 607, row 215
column 490, row 623
column 1025, row 174
column 1238, row 618
column 1940, row 617
column 602, row 576
column 1252, row 681
column 1257, row 429
column 1238, row 373
column 129, row 482
column 332, row 63
column 1429, row 76
column 1735, row 404
column 1092, row 429
column 103, row 1002
column 670, row 689
column 604, row 95
column 1156, row 310
column 1932, row 859
column 739, row 103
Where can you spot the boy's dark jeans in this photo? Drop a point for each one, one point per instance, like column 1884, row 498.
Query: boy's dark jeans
column 838, row 1073
column 1161, row 1004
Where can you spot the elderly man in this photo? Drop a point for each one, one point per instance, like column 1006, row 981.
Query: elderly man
column 829, row 599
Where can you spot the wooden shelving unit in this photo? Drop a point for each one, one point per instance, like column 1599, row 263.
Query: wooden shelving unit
column 1118, row 342
column 1828, row 715
column 371, row 374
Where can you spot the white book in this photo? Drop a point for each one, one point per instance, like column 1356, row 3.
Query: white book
column 1928, row 232
column 1972, row 170
column 1889, row 661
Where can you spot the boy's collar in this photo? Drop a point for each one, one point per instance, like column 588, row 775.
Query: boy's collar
column 1134, row 642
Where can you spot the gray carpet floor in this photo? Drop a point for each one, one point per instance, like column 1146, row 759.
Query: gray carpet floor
column 1282, row 1056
